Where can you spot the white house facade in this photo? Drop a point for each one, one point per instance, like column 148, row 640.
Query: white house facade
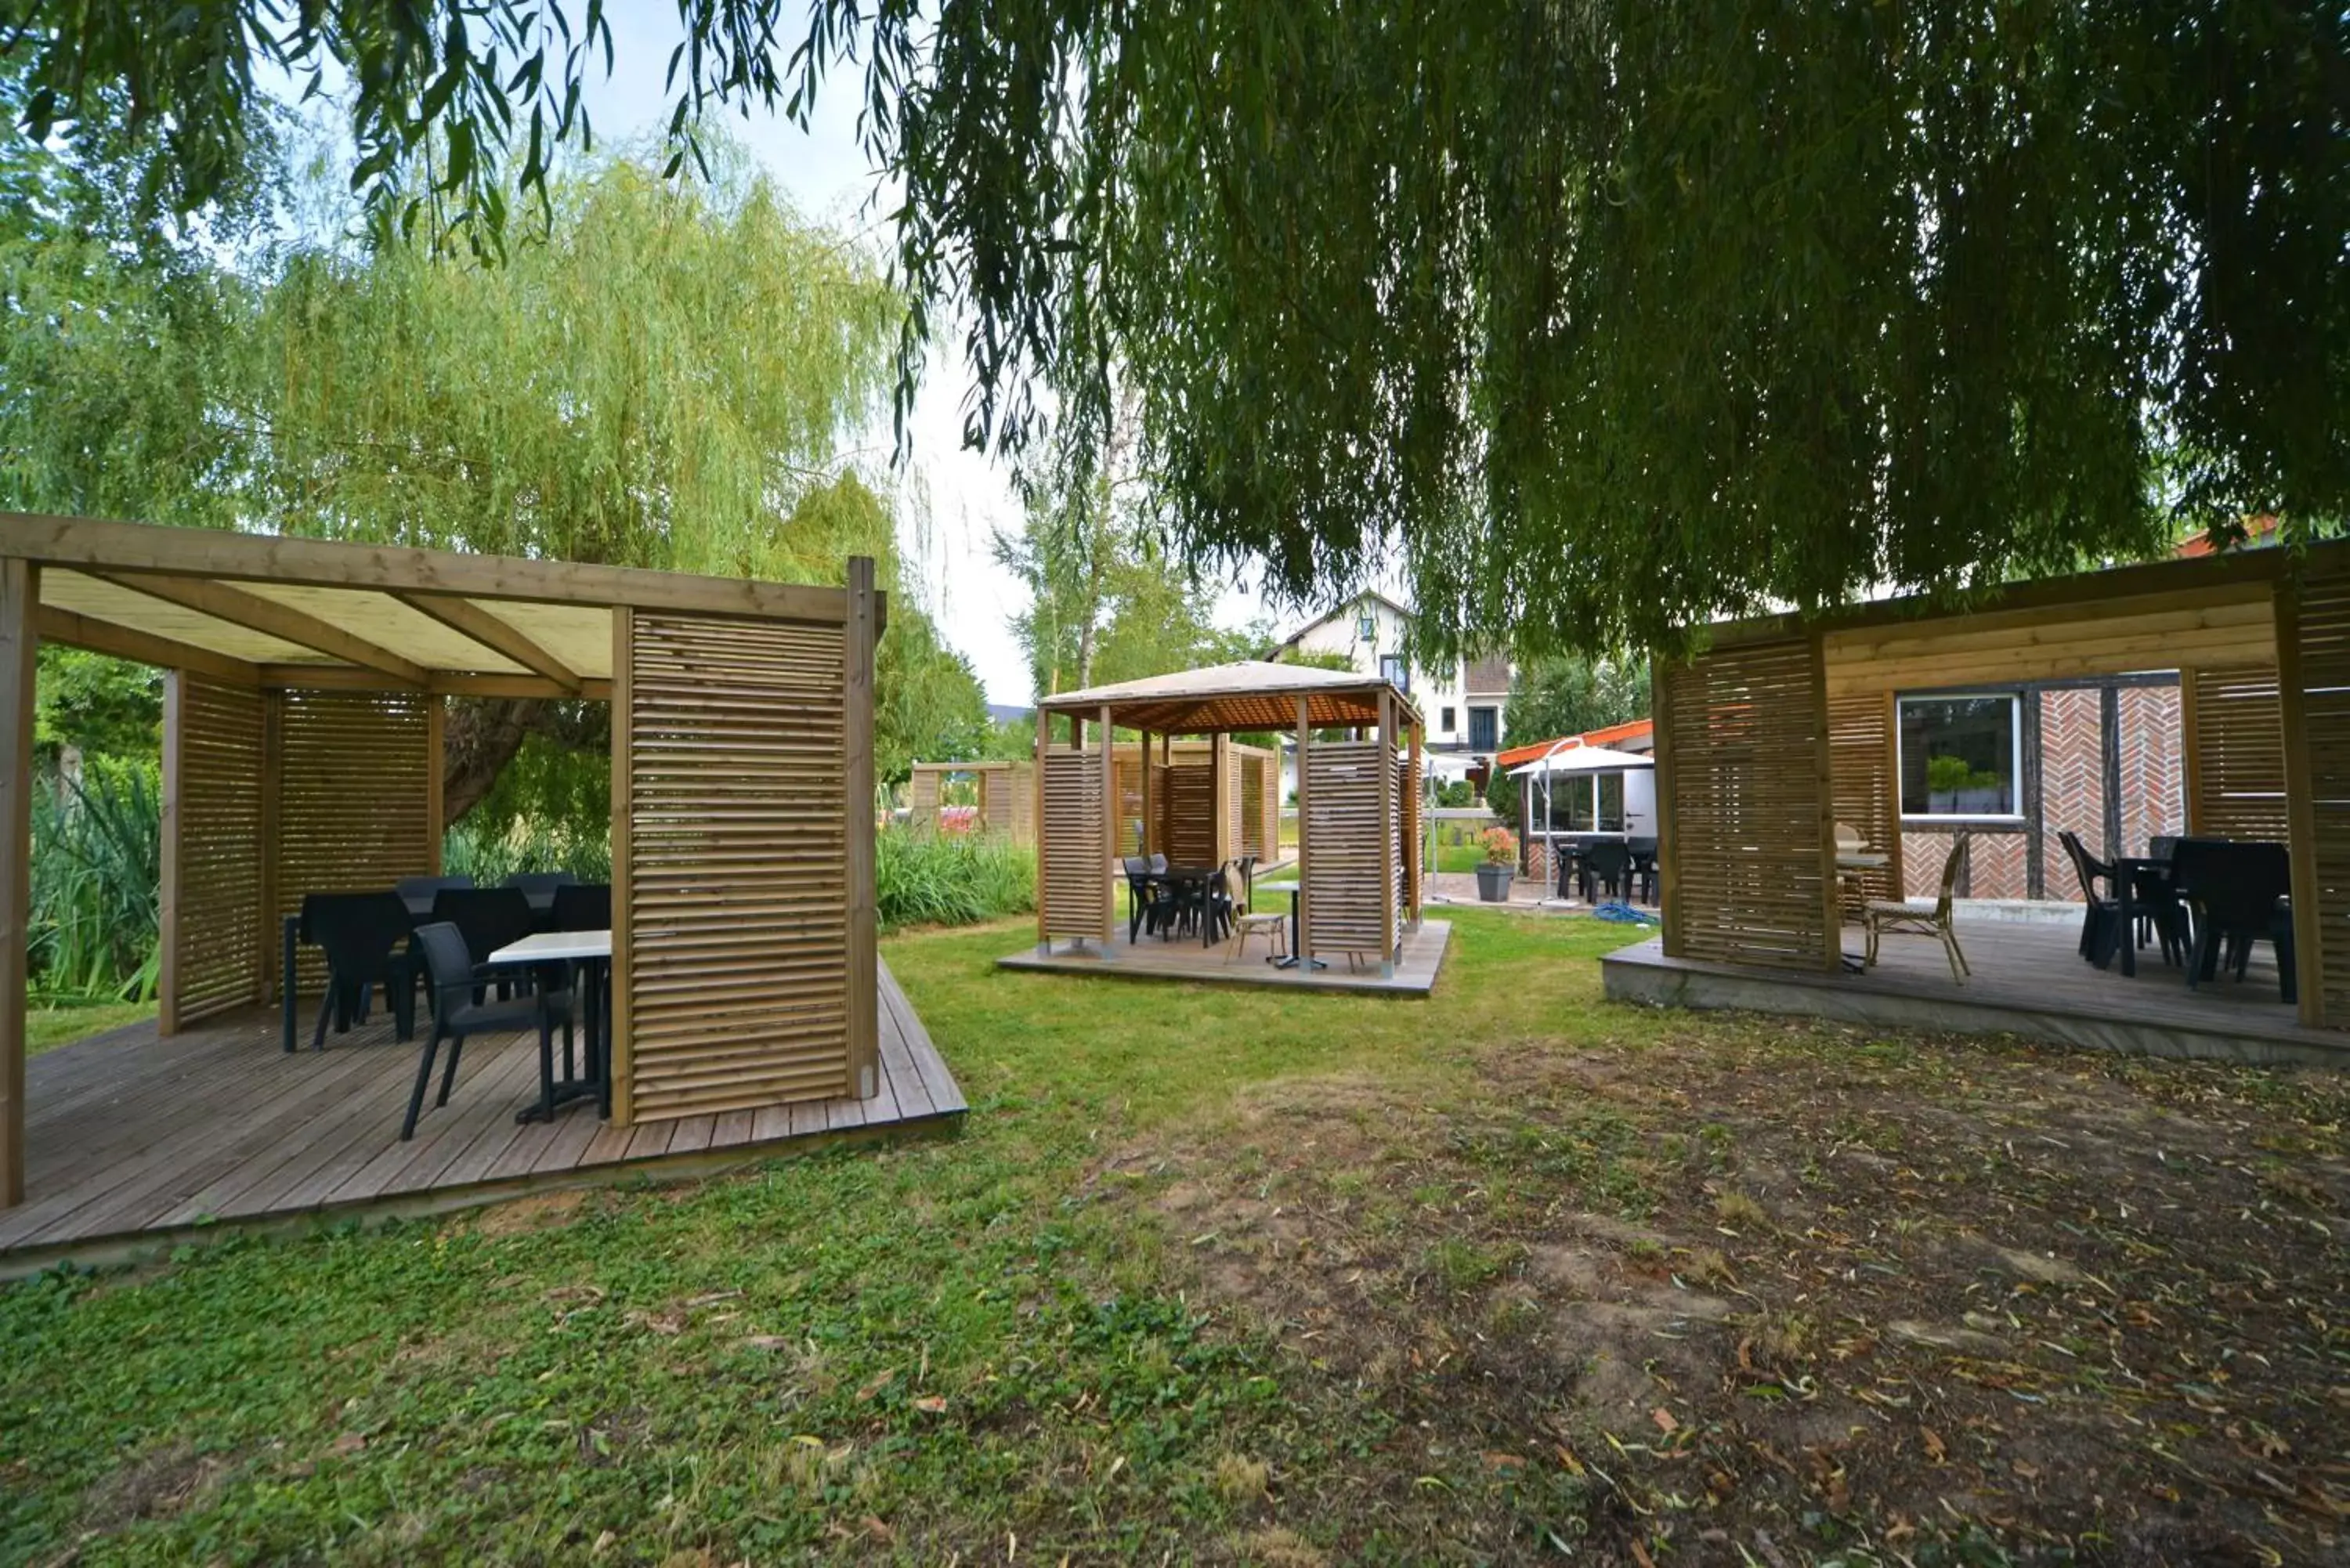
column 1462, row 700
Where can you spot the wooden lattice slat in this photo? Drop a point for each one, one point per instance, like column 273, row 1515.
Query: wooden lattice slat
column 1191, row 795
column 1349, row 863
column 1866, row 791
column 1743, row 796
column 737, row 927
column 355, row 799
column 2320, row 624
column 1070, row 873
column 215, row 947
column 2238, row 790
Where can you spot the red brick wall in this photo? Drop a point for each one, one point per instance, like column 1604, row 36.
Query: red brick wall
column 2154, row 769
column 2072, row 784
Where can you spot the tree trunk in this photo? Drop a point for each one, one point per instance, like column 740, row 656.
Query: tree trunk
column 480, row 738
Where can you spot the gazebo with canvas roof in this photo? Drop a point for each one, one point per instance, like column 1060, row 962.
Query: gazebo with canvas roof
column 1357, row 860
column 302, row 753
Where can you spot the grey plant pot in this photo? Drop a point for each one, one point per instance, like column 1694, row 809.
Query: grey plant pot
column 1493, row 882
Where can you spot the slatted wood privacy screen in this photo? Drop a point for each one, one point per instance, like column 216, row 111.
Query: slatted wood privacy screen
column 1867, row 796
column 1250, row 839
column 2238, row 788
column 2321, row 625
column 1743, row 750
column 354, row 800
column 1190, row 791
column 1071, row 875
column 922, row 797
column 1347, row 866
column 216, row 943
column 737, row 962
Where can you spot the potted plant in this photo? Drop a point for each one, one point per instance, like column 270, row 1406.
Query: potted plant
column 1500, row 866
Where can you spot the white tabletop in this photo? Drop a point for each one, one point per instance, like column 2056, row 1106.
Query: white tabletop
column 554, row 947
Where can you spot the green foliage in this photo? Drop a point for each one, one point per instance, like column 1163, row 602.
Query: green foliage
column 923, row 879
column 97, row 705
column 1456, row 794
column 1501, row 795
column 1948, row 773
column 1566, row 694
column 97, row 848
column 1498, row 847
column 491, row 852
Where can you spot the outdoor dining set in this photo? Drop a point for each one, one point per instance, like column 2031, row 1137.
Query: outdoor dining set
column 534, row 952
column 2203, row 901
column 1622, row 868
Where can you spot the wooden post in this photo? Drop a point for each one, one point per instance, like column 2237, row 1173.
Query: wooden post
column 1824, row 780
column 2190, row 752
column 1305, row 953
column 1668, row 902
column 621, row 1065
column 1109, row 834
column 20, row 595
column 1893, row 784
column 858, row 636
column 267, row 917
column 436, row 721
column 1220, row 783
column 2301, row 811
column 1414, row 871
column 1142, row 761
column 1044, row 733
column 167, row 888
column 1388, row 845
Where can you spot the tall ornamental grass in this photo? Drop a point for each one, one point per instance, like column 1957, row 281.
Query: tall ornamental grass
column 923, row 879
column 97, row 863
column 490, row 857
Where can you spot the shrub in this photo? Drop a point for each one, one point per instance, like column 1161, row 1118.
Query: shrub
column 97, row 864
column 924, row 879
column 490, row 855
column 1500, row 846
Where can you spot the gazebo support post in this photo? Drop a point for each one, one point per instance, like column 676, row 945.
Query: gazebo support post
column 1043, row 743
column 19, row 646
column 1413, row 869
column 858, row 639
column 1109, row 835
column 1142, row 761
column 1387, row 874
column 1305, row 953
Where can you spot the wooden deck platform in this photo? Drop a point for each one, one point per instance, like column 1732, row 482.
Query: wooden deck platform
column 137, row 1143
column 1153, row 958
column 2029, row 979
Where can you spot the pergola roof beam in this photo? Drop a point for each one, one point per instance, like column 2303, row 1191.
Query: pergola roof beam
column 255, row 613
column 469, row 619
column 121, row 641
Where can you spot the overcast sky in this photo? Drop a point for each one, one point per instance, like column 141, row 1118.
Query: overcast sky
column 828, row 176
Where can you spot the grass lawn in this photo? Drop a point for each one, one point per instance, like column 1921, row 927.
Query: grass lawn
column 1507, row 1275
column 46, row 1028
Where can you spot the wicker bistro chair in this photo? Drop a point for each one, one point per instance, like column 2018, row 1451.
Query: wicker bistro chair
column 1882, row 917
column 456, row 1014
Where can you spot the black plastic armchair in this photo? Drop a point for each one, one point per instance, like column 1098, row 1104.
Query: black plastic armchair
column 456, row 1014
column 487, row 918
column 583, row 907
column 361, row 935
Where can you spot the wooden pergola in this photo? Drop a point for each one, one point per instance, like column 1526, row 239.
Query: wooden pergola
column 1358, row 868
column 1244, row 779
column 1778, row 729
column 302, row 753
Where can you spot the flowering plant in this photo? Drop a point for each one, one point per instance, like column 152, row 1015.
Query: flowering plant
column 1500, row 846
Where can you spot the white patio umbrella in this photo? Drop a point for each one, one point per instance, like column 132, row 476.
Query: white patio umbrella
column 1572, row 758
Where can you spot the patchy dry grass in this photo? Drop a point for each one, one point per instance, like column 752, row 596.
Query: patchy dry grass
column 1213, row 1276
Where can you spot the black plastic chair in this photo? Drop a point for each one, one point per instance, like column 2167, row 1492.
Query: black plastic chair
column 488, row 919
column 457, row 1013
column 2100, row 932
column 1216, row 906
column 1148, row 903
column 539, row 887
column 361, row 935
column 2239, row 892
column 1644, row 867
column 1608, row 864
column 418, row 892
column 583, row 907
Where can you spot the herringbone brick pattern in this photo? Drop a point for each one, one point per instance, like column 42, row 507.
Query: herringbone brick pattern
column 2072, row 784
column 2153, row 766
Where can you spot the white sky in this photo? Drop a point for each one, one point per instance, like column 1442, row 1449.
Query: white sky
column 828, row 176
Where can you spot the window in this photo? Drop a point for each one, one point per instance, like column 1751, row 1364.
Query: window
column 1448, row 721
column 1366, row 628
column 1960, row 756
column 1392, row 672
column 1485, row 729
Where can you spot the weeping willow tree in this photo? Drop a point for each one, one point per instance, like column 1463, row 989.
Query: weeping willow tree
column 1610, row 315
column 673, row 376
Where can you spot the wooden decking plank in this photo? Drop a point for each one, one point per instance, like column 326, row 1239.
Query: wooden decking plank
column 734, row 1129
column 896, row 1058
column 608, row 1147
column 325, row 1180
column 520, row 1154
column 650, row 1141
column 485, row 1102
column 946, row 1093
column 204, row 1142
column 769, row 1123
column 576, row 1131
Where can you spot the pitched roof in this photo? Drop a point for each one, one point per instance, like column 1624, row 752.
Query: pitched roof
column 1608, row 735
column 1252, row 694
column 1348, row 609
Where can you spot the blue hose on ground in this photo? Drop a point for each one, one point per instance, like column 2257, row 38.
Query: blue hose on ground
column 1622, row 915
